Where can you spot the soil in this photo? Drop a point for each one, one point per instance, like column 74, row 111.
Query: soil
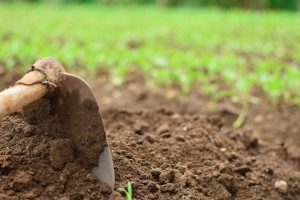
column 166, row 147
column 275, row 123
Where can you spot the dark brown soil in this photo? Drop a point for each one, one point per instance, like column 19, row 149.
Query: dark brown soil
column 35, row 164
column 167, row 153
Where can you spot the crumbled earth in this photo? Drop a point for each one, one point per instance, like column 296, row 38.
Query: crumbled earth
column 167, row 153
column 171, row 156
column 35, row 164
column 164, row 154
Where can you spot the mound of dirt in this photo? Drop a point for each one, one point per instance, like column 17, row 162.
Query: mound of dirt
column 164, row 154
column 170, row 156
column 37, row 164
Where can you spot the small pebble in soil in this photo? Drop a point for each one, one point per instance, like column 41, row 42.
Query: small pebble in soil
column 281, row 186
column 185, row 128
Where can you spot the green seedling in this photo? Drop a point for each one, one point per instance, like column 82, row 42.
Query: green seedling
column 128, row 192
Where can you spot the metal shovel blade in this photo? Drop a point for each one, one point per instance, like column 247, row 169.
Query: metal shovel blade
column 71, row 111
column 77, row 115
column 82, row 122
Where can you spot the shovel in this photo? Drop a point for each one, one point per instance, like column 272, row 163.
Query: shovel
column 73, row 103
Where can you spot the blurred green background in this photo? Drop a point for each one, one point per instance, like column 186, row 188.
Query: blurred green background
column 250, row 4
column 226, row 48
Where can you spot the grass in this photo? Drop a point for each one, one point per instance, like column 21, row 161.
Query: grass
column 222, row 53
column 128, row 192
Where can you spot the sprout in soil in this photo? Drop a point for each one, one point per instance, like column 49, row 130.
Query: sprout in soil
column 128, row 192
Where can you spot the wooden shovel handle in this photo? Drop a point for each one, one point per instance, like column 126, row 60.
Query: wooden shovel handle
column 27, row 90
column 45, row 74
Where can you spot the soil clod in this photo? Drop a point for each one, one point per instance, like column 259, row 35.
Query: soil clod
column 60, row 153
column 22, row 181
